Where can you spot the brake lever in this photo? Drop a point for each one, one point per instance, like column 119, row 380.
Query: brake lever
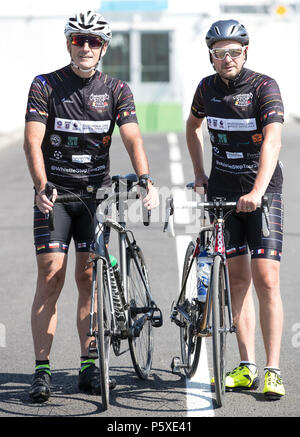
column 143, row 183
column 49, row 187
column 169, row 221
column 265, row 216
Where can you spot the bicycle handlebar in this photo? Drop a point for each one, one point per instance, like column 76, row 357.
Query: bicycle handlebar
column 217, row 203
column 102, row 195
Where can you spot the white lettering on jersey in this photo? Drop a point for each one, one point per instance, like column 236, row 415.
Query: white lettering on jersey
column 81, row 159
column 234, row 155
column 232, row 124
column 81, row 126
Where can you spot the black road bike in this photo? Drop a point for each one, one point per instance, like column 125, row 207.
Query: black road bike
column 122, row 306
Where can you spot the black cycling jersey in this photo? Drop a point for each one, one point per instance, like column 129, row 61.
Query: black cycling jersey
column 80, row 115
column 236, row 115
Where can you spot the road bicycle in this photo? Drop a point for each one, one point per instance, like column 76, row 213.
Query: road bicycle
column 122, row 306
column 214, row 317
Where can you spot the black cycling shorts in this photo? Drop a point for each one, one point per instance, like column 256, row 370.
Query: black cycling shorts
column 243, row 231
column 71, row 220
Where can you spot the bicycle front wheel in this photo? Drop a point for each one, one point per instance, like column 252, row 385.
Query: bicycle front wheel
column 217, row 288
column 189, row 341
column 103, row 330
column 141, row 342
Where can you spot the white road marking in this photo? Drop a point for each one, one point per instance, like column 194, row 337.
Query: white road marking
column 199, row 395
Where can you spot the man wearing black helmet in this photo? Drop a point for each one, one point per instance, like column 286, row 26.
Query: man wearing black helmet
column 244, row 113
column 71, row 115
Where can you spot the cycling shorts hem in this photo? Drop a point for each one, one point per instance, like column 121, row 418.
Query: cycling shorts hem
column 51, row 247
column 256, row 253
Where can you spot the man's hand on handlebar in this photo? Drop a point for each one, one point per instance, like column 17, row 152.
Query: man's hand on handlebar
column 151, row 200
column 44, row 202
column 249, row 202
column 201, row 183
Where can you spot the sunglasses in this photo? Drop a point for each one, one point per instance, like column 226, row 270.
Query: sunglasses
column 233, row 53
column 93, row 41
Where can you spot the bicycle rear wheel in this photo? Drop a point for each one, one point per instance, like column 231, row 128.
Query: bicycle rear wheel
column 218, row 327
column 141, row 344
column 189, row 341
column 103, row 330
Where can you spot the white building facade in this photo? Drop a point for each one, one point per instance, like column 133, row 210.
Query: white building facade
column 158, row 47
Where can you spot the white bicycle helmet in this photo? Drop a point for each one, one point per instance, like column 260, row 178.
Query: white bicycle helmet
column 88, row 22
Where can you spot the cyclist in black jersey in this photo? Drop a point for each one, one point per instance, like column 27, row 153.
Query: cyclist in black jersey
column 244, row 113
column 70, row 118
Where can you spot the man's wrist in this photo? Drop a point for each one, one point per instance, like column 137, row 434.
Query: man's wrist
column 147, row 177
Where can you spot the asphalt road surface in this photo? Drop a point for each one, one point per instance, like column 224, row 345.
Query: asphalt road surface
column 165, row 395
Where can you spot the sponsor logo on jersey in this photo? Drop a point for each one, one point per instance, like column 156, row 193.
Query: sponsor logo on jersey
column 232, row 124
column 106, row 140
column 55, row 140
column 257, row 138
column 57, row 154
column 72, row 141
column 99, row 100
column 64, row 100
column 222, row 139
column 81, row 126
column 234, row 155
column 81, row 159
column 215, row 100
column 242, row 99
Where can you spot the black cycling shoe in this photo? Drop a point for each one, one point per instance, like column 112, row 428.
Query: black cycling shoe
column 89, row 381
column 40, row 389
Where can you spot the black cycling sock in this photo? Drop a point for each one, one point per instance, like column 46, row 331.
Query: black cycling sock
column 42, row 366
column 85, row 363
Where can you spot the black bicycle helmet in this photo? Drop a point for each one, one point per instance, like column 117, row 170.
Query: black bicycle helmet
column 227, row 30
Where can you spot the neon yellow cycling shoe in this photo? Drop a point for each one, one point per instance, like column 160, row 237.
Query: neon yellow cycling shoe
column 241, row 378
column 273, row 388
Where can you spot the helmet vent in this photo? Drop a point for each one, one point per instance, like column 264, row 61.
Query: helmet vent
column 217, row 30
column 232, row 30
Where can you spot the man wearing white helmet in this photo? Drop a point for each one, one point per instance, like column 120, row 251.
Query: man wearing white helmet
column 70, row 118
column 244, row 113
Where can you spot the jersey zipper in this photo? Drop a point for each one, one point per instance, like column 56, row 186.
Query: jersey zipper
column 83, row 111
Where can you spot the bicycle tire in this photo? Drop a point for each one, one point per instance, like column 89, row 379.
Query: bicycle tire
column 141, row 346
column 103, row 331
column 190, row 343
column 218, row 328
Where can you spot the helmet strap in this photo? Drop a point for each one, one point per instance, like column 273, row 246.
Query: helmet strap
column 87, row 70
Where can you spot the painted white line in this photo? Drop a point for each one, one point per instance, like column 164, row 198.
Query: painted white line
column 177, row 177
column 174, row 150
column 198, row 389
column 182, row 215
column 2, row 335
column 199, row 395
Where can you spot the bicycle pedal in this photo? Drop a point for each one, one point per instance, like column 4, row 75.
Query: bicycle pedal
column 156, row 321
column 92, row 350
column 176, row 365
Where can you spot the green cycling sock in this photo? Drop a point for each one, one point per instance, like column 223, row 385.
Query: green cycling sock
column 85, row 363
column 43, row 366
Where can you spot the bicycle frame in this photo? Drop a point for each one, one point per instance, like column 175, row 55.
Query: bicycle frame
column 218, row 249
column 102, row 253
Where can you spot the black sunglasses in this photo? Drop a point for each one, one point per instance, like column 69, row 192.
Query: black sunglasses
column 93, row 41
